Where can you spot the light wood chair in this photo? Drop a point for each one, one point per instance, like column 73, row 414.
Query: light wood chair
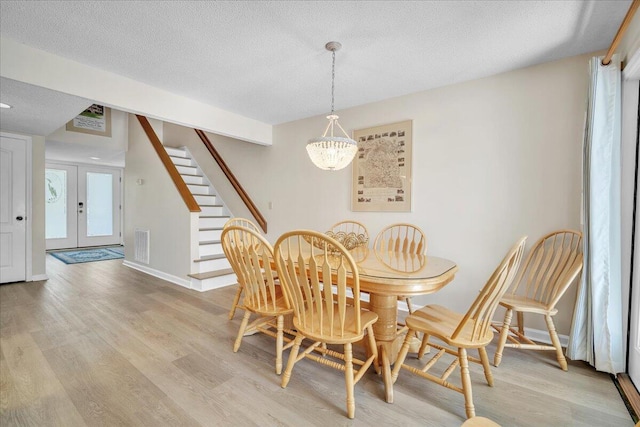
column 241, row 222
column 406, row 238
column 553, row 264
column 461, row 331
column 320, row 284
column 250, row 256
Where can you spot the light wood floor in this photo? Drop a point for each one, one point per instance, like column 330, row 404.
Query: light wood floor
column 99, row 344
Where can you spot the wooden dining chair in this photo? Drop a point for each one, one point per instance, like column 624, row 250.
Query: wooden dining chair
column 250, row 256
column 241, row 222
column 320, row 276
column 460, row 332
column 552, row 265
column 405, row 238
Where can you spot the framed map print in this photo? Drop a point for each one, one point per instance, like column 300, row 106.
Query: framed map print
column 382, row 168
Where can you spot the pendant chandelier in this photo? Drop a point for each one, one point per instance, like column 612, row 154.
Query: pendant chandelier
column 329, row 151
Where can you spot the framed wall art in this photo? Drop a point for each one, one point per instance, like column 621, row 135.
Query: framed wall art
column 95, row 120
column 382, row 168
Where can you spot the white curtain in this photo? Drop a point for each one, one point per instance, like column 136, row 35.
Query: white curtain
column 596, row 331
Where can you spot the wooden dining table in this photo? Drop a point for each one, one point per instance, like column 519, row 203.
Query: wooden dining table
column 387, row 275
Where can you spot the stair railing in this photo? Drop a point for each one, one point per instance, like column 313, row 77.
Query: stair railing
column 182, row 188
column 233, row 180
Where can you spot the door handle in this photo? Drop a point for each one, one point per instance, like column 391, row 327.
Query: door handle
column 19, row 218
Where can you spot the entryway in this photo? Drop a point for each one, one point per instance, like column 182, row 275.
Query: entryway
column 82, row 206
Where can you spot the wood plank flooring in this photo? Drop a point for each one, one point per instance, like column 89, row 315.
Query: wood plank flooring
column 99, row 344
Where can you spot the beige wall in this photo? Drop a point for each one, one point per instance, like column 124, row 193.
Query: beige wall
column 38, row 250
column 630, row 43
column 494, row 159
column 155, row 206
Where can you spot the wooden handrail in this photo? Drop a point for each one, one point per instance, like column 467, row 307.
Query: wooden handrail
column 182, row 188
column 623, row 28
column 232, row 179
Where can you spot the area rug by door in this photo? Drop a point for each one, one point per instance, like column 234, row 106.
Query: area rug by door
column 88, row 255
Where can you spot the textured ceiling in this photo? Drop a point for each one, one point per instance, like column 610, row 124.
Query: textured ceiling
column 266, row 60
column 36, row 111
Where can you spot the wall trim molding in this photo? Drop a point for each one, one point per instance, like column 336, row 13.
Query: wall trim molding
column 159, row 274
column 39, row 277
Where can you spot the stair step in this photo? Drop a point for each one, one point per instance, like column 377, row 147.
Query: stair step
column 209, row 247
column 176, row 152
column 200, row 190
column 211, row 263
column 192, row 179
column 216, row 282
column 181, row 161
column 209, row 258
column 210, row 233
column 211, row 274
column 187, row 170
column 208, row 200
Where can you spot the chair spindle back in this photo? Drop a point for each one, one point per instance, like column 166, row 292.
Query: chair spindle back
column 405, row 238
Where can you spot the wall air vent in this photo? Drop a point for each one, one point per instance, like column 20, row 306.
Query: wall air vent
column 141, row 246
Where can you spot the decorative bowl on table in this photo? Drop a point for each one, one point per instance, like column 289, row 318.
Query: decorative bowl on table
column 348, row 240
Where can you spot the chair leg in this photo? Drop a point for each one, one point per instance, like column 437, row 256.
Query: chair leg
column 236, row 300
column 348, row 377
column 402, row 355
column 424, row 346
column 520, row 322
column 293, row 355
column 497, row 358
column 279, row 343
column 243, row 327
column 485, row 365
column 373, row 348
column 556, row 343
column 466, row 383
column 409, row 305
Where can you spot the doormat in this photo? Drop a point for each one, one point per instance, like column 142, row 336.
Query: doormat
column 89, row 255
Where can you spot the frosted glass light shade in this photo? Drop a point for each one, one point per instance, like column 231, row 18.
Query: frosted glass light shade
column 331, row 152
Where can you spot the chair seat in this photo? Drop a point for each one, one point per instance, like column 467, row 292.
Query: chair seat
column 522, row 303
column 270, row 310
column 440, row 322
column 312, row 329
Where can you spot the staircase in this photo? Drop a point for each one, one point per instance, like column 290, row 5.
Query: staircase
column 210, row 268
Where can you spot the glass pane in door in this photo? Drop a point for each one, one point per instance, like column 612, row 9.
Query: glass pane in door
column 55, row 191
column 99, row 204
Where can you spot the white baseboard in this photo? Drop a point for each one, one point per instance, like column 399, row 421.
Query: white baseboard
column 159, row 274
column 39, row 277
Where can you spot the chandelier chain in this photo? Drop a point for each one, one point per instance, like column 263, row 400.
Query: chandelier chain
column 333, row 79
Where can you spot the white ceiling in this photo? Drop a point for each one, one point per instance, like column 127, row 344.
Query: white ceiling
column 266, row 59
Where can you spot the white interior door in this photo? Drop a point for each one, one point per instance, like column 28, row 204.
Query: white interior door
column 82, row 206
column 61, row 194
column 98, row 206
column 13, row 209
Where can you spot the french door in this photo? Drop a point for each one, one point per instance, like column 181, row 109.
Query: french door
column 82, row 206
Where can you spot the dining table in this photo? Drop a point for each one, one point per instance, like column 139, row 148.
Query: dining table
column 386, row 276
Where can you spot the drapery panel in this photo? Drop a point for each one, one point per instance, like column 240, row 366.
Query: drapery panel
column 596, row 330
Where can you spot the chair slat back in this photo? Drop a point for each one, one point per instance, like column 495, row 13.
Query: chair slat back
column 319, row 282
column 242, row 222
column 350, row 227
column 250, row 256
column 484, row 306
column 406, row 238
column 550, row 267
